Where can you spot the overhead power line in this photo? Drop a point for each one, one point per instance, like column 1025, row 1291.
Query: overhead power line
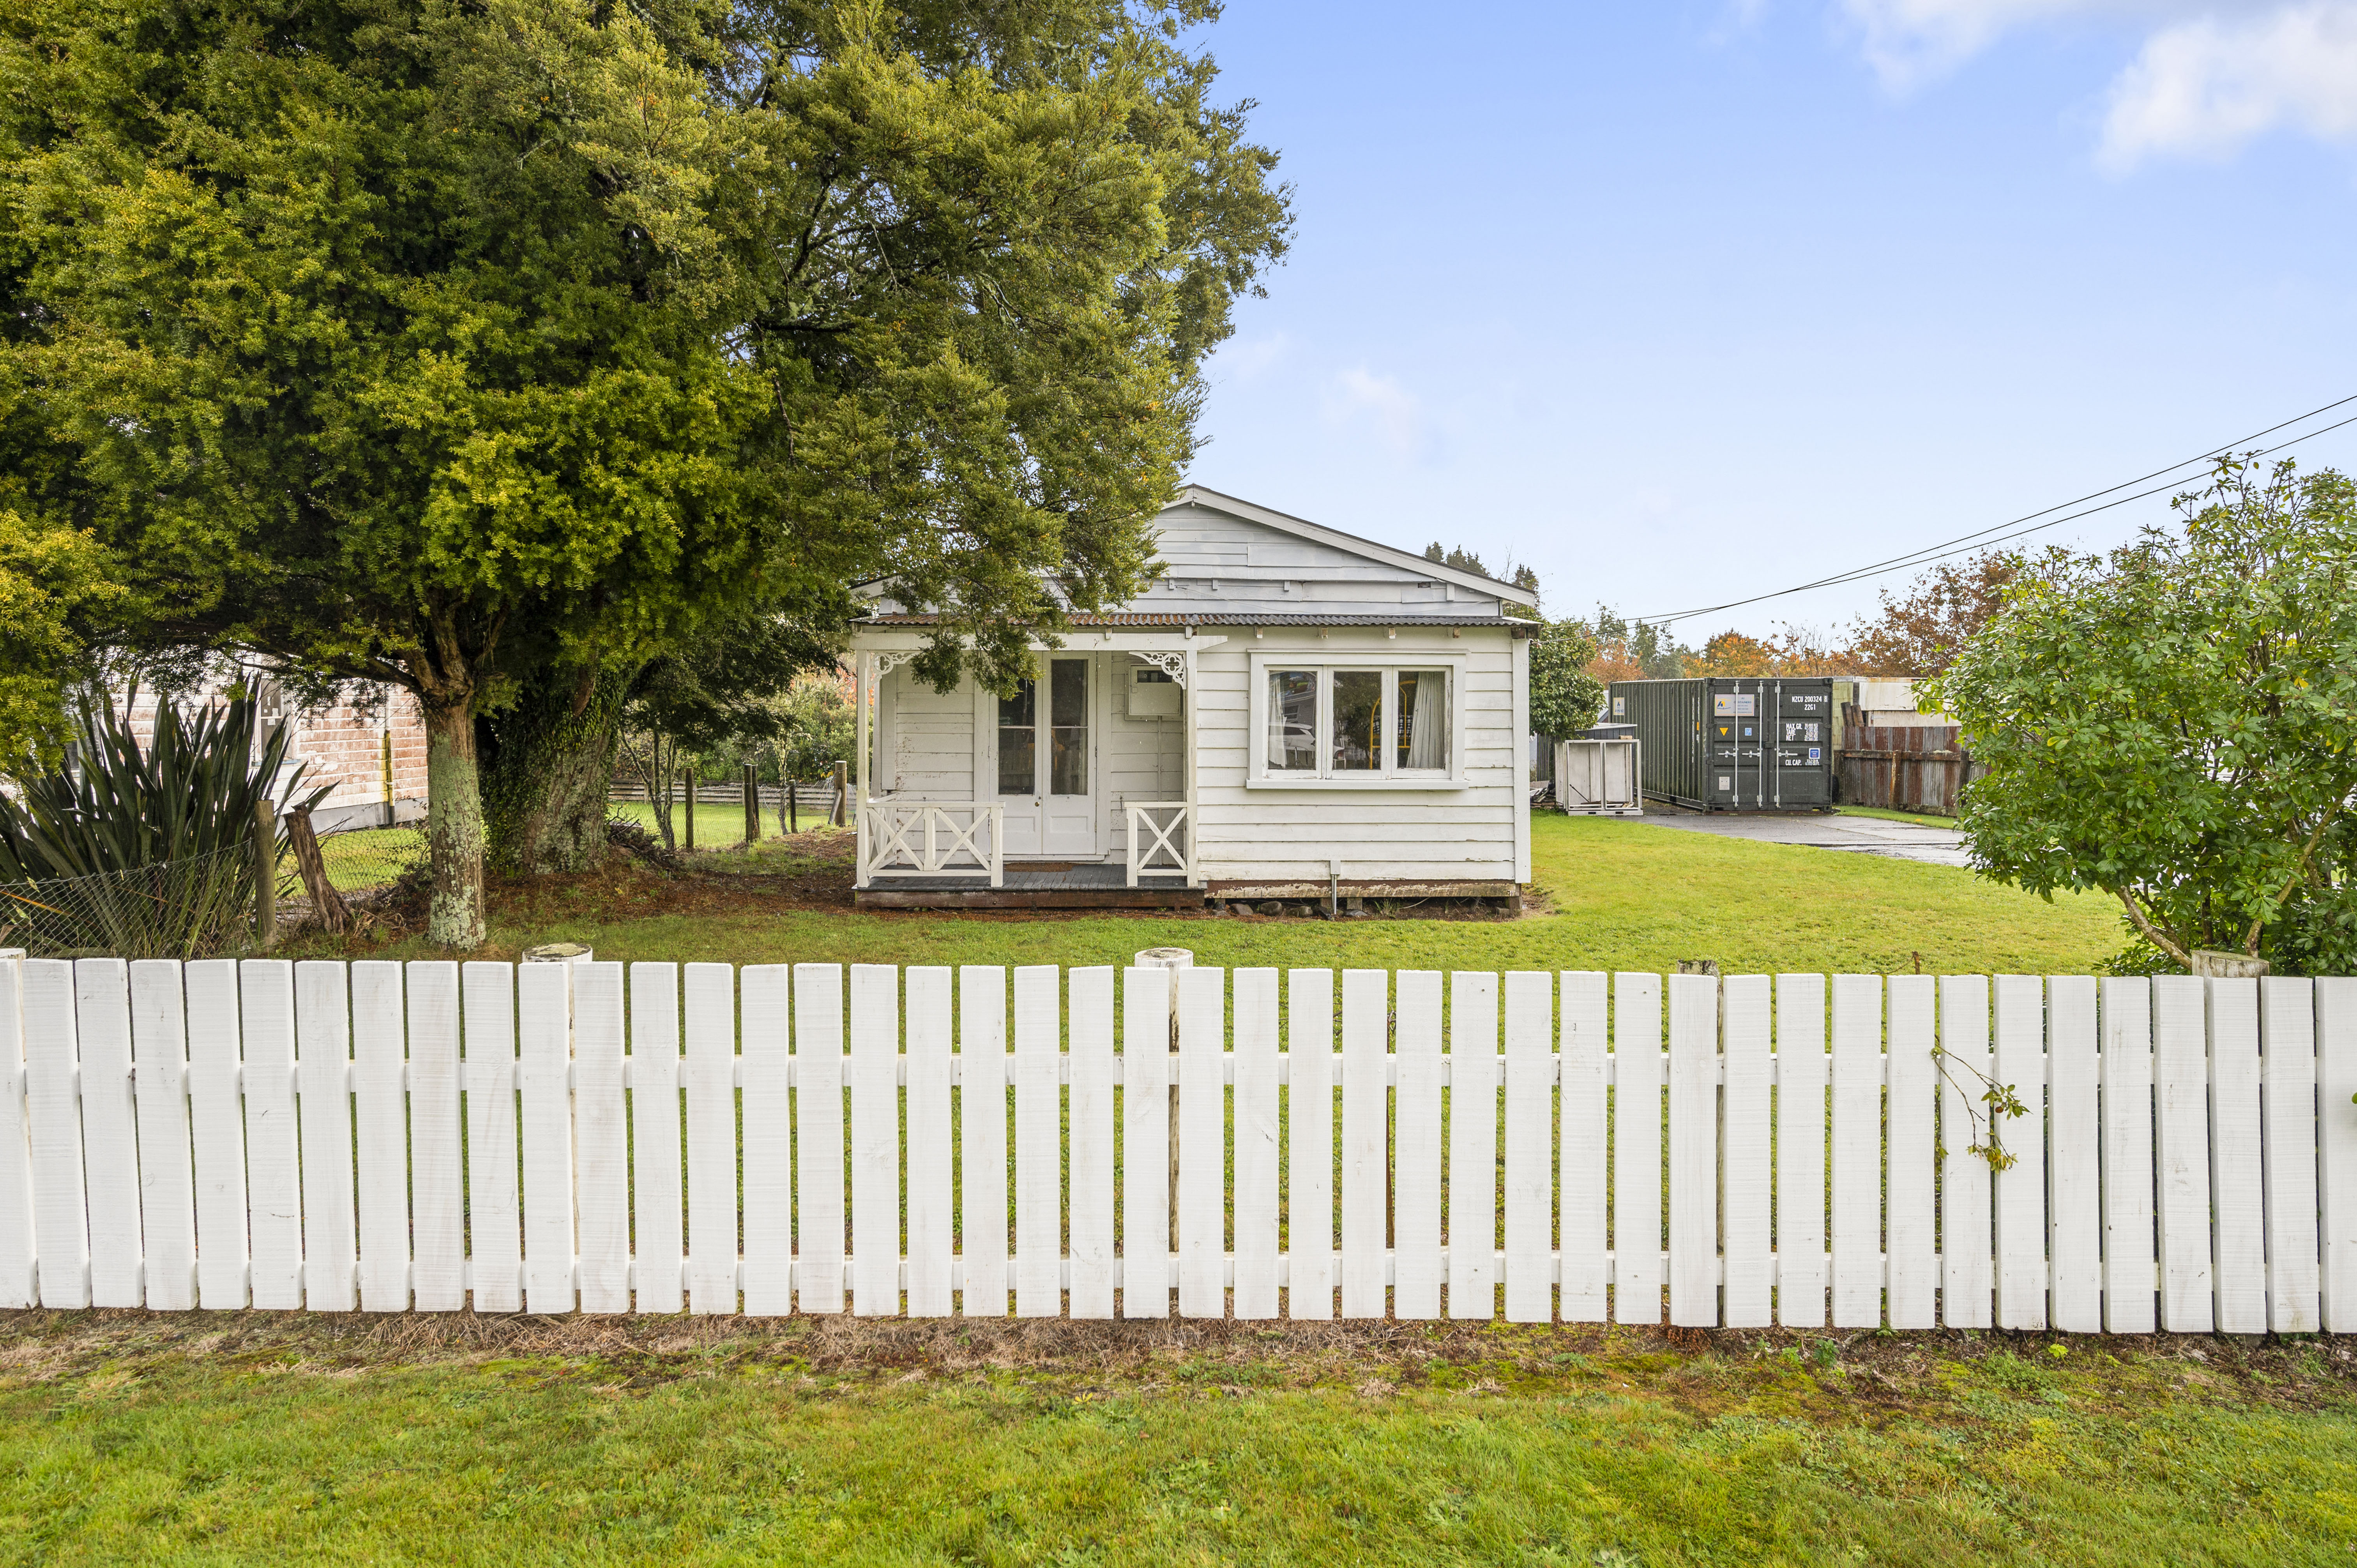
column 1981, row 540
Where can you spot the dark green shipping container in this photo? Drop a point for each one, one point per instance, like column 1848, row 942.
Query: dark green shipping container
column 1737, row 744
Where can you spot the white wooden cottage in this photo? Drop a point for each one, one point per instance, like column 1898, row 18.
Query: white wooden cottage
column 1288, row 712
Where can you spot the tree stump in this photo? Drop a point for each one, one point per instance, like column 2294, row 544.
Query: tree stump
column 334, row 914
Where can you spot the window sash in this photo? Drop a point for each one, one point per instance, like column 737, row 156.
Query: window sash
column 1391, row 739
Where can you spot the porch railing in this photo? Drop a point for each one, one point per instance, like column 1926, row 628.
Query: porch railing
column 958, row 838
column 1173, row 836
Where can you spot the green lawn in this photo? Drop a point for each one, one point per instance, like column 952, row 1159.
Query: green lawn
column 715, row 824
column 226, row 1438
column 1618, row 895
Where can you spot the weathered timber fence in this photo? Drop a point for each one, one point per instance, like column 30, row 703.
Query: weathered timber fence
column 564, row 1137
column 1905, row 767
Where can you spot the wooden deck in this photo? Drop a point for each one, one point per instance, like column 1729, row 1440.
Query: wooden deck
column 1041, row 885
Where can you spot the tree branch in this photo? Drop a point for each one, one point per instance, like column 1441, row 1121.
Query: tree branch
column 2152, row 933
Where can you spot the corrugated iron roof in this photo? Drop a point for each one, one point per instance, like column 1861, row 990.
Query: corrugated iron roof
column 1172, row 618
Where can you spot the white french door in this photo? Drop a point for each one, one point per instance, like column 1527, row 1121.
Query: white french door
column 1043, row 762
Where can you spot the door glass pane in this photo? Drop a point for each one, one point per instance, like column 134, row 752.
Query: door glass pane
column 1292, row 720
column 1018, row 756
column 1422, row 720
column 1358, row 720
column 1068, row 702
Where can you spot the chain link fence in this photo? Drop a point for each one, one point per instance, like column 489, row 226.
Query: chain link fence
column 362, row 859
column 182, row 908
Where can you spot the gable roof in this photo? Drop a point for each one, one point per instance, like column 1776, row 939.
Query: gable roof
column 1318, row 532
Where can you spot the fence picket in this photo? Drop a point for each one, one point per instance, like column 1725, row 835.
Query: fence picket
column 2019, row 1200
column 381, row 1134
column 217, row 1130
column 658, row 1193
column 1857, row 1139
column 1912, row 1234
column 1802, row 1069
column 60, row 1208
column 2287, row 1063
column 2127, row 1172
column 2237, row 1194
column 1202, row 1143
column 1637, row 1148
column 2073, row 1133
column 982, row 1135
column 18, row 1287
column 2336, row 1084
column 1967, row 1280
column 818, row 1146
column 1416, row 1146
column 494, row 1206
column 1585, row 1271
column 167, row 1211
column 709, row 1070
column 544, row 1106
column 769, row 1163
column 1255, row 1144
column 1039, row 1144
column 1092, row 1113
column 1746, row 1182
column 1309, row 1152
column 876, row 1134
column 1530, row 1147
column 601, row 1139
column 109, row 1130
column 323, row 1066
column 1366, row 995
column 2181, row 1067
column 932, row 1220
column 1145, row 1143
column 1694, row 1150
column 438, row 1170
column 1472, row 1222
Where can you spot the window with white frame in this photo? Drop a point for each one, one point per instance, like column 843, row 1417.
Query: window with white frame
column 1352, row 722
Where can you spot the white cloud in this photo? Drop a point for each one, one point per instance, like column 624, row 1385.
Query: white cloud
column 1359, row 395
column 2203, row 89
column 2210, row 75
column 1247, row 359
column 1909, row 41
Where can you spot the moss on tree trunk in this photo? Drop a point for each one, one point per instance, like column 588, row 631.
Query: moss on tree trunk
column 453, row 827
column 547, row 767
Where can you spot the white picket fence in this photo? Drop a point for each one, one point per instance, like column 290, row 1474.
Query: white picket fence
column 549, row 1138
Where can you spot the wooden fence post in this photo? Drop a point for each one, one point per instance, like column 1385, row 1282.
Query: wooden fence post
column 752, row 805
column 265, row 873
column 1173, row 959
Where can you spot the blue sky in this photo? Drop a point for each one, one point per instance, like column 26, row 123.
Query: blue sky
column 1681, row 302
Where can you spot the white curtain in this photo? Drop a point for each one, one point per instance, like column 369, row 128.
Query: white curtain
column 1427, row 734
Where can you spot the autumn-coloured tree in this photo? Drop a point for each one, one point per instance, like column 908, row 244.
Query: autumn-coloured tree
column 1919, row 634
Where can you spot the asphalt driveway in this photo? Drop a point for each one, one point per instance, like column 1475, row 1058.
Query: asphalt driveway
column 1859, row 835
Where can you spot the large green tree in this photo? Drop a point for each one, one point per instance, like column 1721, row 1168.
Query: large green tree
column 2176, row 724
column 494, row 350
column 983, row 251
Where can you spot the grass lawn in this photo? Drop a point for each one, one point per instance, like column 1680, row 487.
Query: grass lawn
column 1616, row 894
column 247, row 1437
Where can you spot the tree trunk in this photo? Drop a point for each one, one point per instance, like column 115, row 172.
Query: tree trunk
column 547, row 767
column 453, row 827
